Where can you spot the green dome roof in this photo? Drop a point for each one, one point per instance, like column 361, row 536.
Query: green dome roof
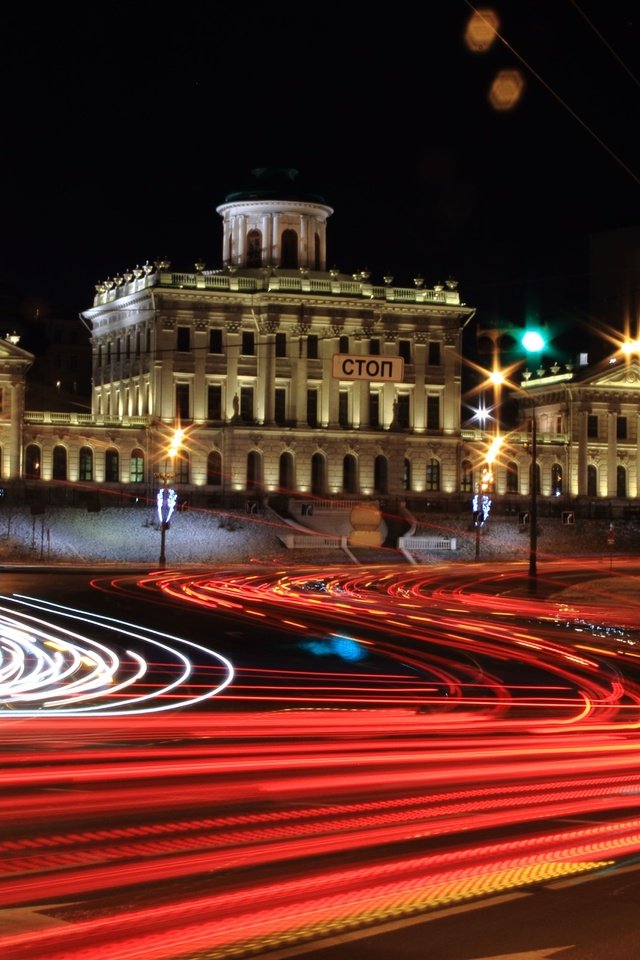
column 275, row 183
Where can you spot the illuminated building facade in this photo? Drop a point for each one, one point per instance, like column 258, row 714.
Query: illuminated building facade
column 291, row 377
column 285, row 375
column 588, row 439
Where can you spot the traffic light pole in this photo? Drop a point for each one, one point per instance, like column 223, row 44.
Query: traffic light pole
column 533, row 509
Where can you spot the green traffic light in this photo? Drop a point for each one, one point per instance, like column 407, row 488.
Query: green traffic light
column 533, row 341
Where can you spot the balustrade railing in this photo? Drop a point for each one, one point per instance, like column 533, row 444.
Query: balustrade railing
column 110, row 291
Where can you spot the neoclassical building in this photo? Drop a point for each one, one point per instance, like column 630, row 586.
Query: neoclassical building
column 588, row 437
column 287, row 376
column 284, row 375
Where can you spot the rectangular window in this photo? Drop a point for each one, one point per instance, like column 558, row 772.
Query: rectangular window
column 312, row 408
column 215, row 341
column 343, row 346
column 111, row 466
column 280, row 405
column 127, row 349
column 434, row 354
column 374, row 348
column 433, row 413
column 621, row 428
column 281, row 344
column 181, row 467
column 592, row 426
column 85, row 469
column 183, row 344
column 108, row 353
column 214, row 401
column 558, row 424
column 312, row 347
column 182, row 401
column 246, row 404
column 403, row 411
column 343, row 408
column 433, row 475
column 137, row 343
column 1, row 400
column 404, row 350
column 136, row 467
column 248, row 348
column 118, row 348
column 374, row 409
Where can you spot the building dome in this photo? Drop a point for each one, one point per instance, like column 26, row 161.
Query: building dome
column 275, row 183
column 275, row 222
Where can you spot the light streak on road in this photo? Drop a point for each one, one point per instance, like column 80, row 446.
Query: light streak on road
column 49, row 669
column 411, row 741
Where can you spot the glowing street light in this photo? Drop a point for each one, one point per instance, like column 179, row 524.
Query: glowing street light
column 532, row 341
column 167, row 498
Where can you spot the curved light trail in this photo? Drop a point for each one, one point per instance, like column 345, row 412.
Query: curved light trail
column 46, row 668
column 396, row 740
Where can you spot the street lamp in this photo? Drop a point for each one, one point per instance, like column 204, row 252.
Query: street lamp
column 533, row 342
column 166, row 498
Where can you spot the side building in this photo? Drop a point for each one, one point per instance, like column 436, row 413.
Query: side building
column 587, row 450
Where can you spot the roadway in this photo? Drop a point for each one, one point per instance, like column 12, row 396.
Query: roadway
column 245, row 761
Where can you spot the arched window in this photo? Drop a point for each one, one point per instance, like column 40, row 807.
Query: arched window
column 592, row 480
column 406, row 474
column 181, row 467
column 289, row 250
column 318, row 474
column 112, row 466
column 621, row 482
column 254, row 471
column 59, row 463
column 433, row 474
column 32, row 459
column 85, row 464
column 286, row 480
column 214, row 469
column 556, row 480
column 381, row 474
column 512, row 477
column 136, row 467
column 350, row 474
column 254, row 248
column 466, row 477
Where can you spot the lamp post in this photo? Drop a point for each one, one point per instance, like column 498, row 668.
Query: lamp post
column 166, row 498
column 533, row 342
column 533, row 507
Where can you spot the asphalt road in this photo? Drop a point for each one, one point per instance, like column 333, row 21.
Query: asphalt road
column 594, row 918
column 327, row 769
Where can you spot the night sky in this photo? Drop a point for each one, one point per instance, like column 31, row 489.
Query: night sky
column 125, row 126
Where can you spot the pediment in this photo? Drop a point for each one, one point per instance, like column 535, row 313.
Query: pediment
column 622, row 376
column 10, row 351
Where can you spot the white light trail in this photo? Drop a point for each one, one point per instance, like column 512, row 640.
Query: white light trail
column 49, row 670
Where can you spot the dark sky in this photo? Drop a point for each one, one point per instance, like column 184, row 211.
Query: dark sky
column 124, row 127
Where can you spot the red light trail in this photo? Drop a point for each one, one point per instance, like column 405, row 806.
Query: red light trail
column 412, row 742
